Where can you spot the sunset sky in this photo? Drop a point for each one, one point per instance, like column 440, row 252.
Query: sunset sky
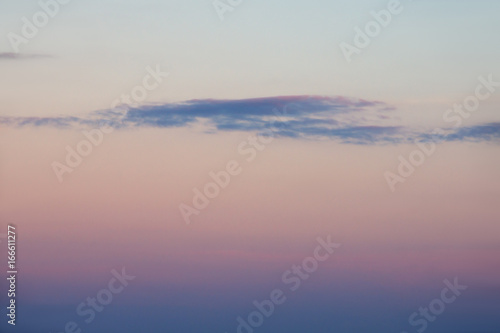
column 316, row 140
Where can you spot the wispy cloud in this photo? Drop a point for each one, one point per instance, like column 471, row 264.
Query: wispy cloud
column 19, row 56
column 339, row 118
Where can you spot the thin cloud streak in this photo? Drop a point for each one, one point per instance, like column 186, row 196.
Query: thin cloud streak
column 19, row 56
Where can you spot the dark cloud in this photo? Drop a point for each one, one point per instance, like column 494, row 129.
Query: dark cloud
column 303, row 117
column 484, row 132
column 350, row 120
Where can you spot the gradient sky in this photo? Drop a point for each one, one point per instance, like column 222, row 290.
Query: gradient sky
column 345, row 126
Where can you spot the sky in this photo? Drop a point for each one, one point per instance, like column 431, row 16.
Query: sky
column 212, row 153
